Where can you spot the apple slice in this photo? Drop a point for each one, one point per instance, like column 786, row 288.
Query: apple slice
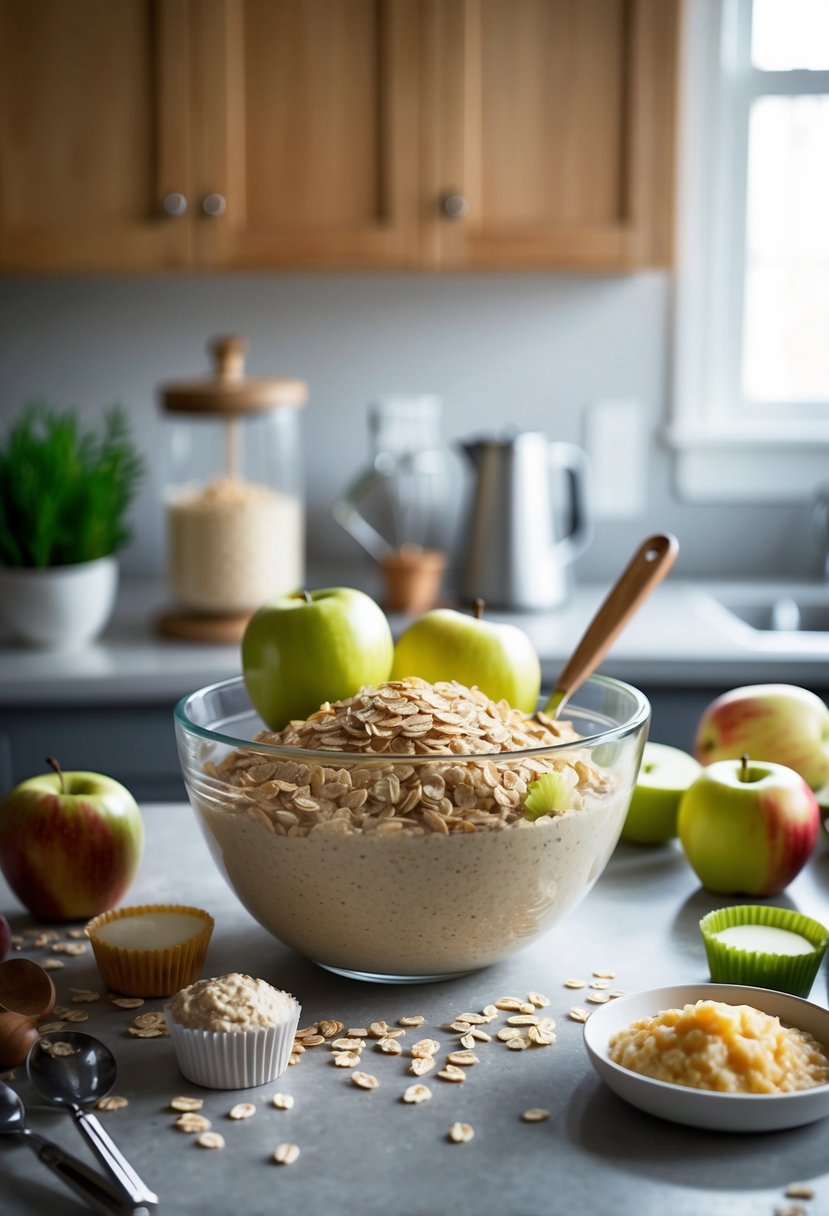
column 664, row 776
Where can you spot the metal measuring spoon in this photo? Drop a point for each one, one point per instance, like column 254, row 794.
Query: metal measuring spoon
column 84, row 1077
column 85, row 1182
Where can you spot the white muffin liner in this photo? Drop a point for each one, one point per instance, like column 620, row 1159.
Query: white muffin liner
column 231, row 1059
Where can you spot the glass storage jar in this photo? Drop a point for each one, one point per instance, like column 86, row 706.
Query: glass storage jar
column 233, row 496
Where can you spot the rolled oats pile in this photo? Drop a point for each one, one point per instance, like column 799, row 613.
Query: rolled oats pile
column 411, row 772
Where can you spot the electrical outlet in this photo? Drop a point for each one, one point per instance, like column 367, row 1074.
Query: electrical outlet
column 614, row 438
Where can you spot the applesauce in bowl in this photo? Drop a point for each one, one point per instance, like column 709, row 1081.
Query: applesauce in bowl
column 416, row 831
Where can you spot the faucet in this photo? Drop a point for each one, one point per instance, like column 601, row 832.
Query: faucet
column 819, row 524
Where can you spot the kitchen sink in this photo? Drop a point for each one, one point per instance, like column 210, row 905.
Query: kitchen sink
column 803, row 611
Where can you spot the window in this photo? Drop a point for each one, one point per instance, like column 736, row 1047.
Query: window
column 750, row 414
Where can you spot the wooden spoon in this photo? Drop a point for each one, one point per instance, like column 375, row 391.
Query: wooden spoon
column 25, row 987
column 645, row 570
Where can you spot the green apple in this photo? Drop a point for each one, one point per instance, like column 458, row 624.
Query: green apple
column 70, row 843
column 748, row 827
column 778, row 722
column 308, row 647
column 449, row 645
column 664, row 776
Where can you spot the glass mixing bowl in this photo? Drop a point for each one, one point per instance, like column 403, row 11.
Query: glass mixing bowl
column 406, row 868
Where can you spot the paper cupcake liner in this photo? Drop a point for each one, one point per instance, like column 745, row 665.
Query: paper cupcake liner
column 786, row 973
column 233, row 1059
column 150, row 972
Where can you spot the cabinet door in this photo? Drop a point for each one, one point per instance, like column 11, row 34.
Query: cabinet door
column 309, row 129
column 93, row 134
column 552, row 125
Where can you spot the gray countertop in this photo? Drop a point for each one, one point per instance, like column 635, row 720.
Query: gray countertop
column 681, row 636
column 367, row 1152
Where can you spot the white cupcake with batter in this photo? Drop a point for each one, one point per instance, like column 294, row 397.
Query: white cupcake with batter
column 233, row 1031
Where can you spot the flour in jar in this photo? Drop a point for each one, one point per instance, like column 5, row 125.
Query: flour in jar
column 233, row 544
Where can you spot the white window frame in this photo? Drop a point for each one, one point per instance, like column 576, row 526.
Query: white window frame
column 726, row 450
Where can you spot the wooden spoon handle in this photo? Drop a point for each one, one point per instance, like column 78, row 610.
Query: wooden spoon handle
column 645, row 570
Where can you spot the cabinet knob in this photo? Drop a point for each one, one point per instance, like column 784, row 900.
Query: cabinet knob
column 455, row 206
column 214, row 204
column 174, row 204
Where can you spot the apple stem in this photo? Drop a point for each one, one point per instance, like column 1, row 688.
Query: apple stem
column 478, row 608
column 744, row 767
column 306, row 595
column 52, row 762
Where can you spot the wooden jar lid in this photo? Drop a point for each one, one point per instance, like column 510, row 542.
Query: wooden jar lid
column 229, row 390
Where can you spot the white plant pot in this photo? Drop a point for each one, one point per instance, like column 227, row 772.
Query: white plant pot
column 60, row 608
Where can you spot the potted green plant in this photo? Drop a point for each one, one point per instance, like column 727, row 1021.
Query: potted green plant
column 64, row 495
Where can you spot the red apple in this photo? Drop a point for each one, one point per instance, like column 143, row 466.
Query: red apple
column 777, row 722
column 748, row 827
column 70, row 843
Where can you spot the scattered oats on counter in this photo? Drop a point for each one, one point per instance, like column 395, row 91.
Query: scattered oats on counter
column 415, row 1094
column 242, row 1110
column 184, row 1103
column 81, row 995
column 451, row 1072
column 111, row 1102
column 346, row 1059
column 535, row 1114
column 210, row 1140
column 364, row 1080
column 128, row 1002
column 461, row 1133
column 424, row 1048
column 538, row 999
column 283, row 1101
column 463, row 1059
column 420, row 1065
column 799, row 1190
column 190, row 1122
column 285, row 1154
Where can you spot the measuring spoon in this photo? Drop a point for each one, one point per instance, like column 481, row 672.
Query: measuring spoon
column 84, row 1077
column 85, row 1182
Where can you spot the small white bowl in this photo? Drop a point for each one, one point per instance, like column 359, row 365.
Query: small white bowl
column 702, row 1107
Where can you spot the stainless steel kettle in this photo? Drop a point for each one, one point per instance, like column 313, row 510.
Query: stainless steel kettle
column 517, row 551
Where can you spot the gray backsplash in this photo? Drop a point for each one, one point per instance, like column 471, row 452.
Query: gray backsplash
column 528, row 350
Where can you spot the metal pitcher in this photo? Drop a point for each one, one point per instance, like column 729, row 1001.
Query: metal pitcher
column 520, row 544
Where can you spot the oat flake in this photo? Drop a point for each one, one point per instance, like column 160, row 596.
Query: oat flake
column 286, row 1154
column 364, row 1080
column 461, row 1133
column 417, row 1093
column 210, row 1140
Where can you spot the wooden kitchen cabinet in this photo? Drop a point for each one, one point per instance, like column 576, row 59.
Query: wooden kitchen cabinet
column 94, row 134
column 554, row 124
column 431, row 134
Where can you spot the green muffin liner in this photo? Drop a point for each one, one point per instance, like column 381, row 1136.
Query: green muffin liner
column 785, row 973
